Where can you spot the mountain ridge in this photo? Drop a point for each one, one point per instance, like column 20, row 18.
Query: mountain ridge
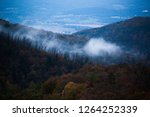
column 127, row 33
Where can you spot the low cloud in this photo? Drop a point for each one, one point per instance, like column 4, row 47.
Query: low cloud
column 93, row 47
column 100, row 47
column 145, row 11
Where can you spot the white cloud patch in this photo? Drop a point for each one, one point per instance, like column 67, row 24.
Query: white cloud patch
column 145, row 11
column 11, row 8
column 119, row 17
column 71, row 18
column 119, row 7
column 55, row 28
column 86, row 25
column 116, row 17
column 100, row 47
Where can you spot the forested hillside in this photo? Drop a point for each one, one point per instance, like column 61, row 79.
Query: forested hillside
column 28, row 72
column 132, row 34
column 22, row 64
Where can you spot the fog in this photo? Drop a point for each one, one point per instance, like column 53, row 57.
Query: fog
column 100, row 47
column 94, row 47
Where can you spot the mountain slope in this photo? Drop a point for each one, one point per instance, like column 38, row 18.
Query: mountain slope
column 29, row 32
column 46, row 39
column 21, row 63
column 132, row 34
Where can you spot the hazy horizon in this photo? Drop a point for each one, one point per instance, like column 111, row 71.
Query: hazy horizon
column 69, row 16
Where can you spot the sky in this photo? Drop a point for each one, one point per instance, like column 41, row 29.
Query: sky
column 69, row 16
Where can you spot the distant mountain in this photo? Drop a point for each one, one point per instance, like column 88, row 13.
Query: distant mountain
column 113, row 13
column 132, row 34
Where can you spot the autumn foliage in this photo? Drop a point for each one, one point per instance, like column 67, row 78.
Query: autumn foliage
column 28, row 72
